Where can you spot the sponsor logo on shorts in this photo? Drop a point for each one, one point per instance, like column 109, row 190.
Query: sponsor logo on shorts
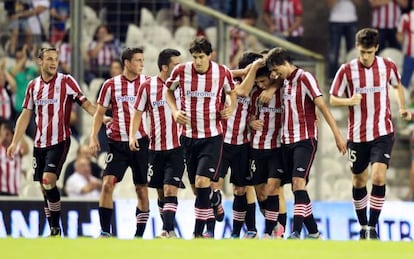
column 300, row 169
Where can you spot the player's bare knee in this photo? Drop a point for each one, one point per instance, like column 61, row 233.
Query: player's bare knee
column 170, row 190
column 48, row 184
column 108, row 186
column 239, row 190
column 142, row 191
column 298, row 184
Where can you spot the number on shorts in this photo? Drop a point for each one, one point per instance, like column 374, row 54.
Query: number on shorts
column 352, row 155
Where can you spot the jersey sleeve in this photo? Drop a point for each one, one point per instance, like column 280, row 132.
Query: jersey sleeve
column 28, row 102
column 228, row 81
column 173, row 81
column 142, row 97
column 311, row 84
column 340, row 83
column 104, row 97
column 74, row 89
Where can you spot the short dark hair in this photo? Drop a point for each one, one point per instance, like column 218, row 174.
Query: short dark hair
column 263, row 71
column 164, row 58
column 7, row 124
column 367, row 38
column 42, row 51
column 201, row 45
column 248, row 58
column 277, row 56
column 128, row 53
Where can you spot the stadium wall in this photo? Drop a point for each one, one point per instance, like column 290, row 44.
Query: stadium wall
column 336, row 220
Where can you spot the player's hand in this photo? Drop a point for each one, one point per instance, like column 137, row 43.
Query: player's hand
column 133, row 144
column 11, row 150
column 341, row 144
column 180, row 117
column 106, row 120
column 267, row 95
column 259, row 63
column 405, row 114
column 256, row 124
column 227, row 112
column 355, row 99
column 94, row 146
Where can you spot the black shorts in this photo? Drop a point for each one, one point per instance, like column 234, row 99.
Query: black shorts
column 298, row 158
column 265, row 164
column 120, row 157
column 50, row 159
column 202, row 156
column 235, row 157
column 377, row 151
column 165, row 167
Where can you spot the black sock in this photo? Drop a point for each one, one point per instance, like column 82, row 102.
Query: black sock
column 301, row 199
column 47, row 211
column 142, row 218
column 251, row 217
column 54, row 204
column 376, row 202
column 262, row 206
column 105, row 217
column 360, row 200
column 239, row 213
column 309, row 220
column 202, row 210
column 271, row 213
column 161, row 209
column 170, row 208
column 282, row 219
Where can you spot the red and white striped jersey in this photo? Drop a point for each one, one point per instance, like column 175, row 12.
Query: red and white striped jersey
column 105, row 56
column 5, row 104
column 271, row 116
column 10, row 170
column 64, row 53
column 406, row 26
column 164, row 130
column 299, row 116
column 121, row 93
column 372, row 118
column 386, row 16
column 283, row 13
column 202, row 97
column 52, row 103
column 235, row 128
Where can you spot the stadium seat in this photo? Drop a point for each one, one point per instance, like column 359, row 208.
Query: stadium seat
column 211, row 34
column 31, row 191
column 134, row 36
column 395, row 55
column 147, row 19
column 151, row 56
column 158, row 36
column 184, row 35
column 351, row 54
column 164, row 18
column 27, row 160
column 94, row 88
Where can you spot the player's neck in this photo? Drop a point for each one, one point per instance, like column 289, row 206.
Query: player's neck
column 47, row 77
column 163, row 76
column 130, row 76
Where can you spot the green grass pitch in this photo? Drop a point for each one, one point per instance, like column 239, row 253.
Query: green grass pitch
column 57, row 248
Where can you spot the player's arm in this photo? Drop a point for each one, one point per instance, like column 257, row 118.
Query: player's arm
column 339, row 139
column 403, row 111
column 245, row 87
column 343, row 101
column 21, row 126
column 179, row 116
column 89, row 107
column 97, row 120
column 229, row 108
column 133, row 128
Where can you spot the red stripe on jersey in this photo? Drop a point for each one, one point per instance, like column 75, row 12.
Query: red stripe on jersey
column 377, row 97
column 363, row 103
column 206, row 102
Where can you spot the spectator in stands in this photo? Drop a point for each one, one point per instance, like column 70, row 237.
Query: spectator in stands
column 385, row 18
column 204, row 21
column 239, row 39
column 283, row 18
column 405, row 37
column 10, row 169
column 103, row 49
column 82, row 184
column 37, row 16
column 17, row 26
column 59, row 15
column 240, row 7
column 64, row 53
column 83, row 151
column 7, row 87
column 22, row 74
column 342, row 22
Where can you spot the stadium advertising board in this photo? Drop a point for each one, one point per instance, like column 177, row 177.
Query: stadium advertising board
column 336, row 220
